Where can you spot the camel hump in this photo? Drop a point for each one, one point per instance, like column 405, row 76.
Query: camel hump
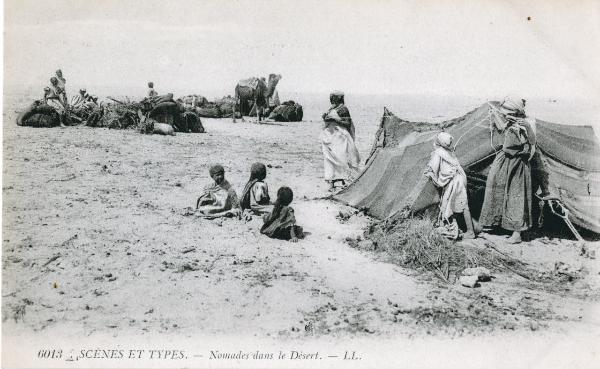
column 250, row 82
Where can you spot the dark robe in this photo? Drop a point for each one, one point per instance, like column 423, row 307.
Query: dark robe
column 508, row 190
column 343, row 113
column 279, row 224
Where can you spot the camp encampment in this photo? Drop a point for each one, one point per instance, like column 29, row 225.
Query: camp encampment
column 393, row 181
column 119, row 114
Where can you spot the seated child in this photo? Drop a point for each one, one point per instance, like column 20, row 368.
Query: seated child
column 218, row 199
column 445, row 172
column 281, row 223
column 255, row 197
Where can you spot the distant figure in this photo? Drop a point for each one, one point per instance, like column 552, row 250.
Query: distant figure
column 273, row 103
column 340, row 155
column 218, row 199
column 281, row 222
column 78, row 100
column 83, row 106
column 151, row 91
column 62, row 83
column 445, row 172
column 508, row 190
column 47, row 94
column 52, row 97
column 255, row 196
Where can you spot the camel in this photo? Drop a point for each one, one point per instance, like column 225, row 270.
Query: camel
column 255, row 90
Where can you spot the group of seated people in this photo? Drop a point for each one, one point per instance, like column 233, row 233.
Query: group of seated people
column 219, row 199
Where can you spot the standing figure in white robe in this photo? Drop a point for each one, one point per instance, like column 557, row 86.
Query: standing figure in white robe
column 446, row 173
column 340, row 156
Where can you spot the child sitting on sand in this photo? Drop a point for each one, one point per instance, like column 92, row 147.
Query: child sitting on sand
column 218, row 199
column 445, row 172
column 281, row 223
column 255, row 197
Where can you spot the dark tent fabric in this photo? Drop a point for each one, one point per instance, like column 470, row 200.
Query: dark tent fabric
column 393, row 178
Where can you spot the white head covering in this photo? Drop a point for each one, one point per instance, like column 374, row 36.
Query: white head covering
column 513, row 105
column 444, row 140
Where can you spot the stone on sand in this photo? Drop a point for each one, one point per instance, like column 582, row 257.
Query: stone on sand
column 483, row 274
column 469, row 281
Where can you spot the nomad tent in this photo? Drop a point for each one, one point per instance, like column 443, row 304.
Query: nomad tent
column 393, row 179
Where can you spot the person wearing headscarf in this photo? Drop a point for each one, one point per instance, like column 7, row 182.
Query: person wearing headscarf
column 446, row 173
column 219, row 198
column 340, row 156
column 255, row 196
column 508, row 190
column 280, row 223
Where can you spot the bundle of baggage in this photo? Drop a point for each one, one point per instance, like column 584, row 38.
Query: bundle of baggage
column 157, row 114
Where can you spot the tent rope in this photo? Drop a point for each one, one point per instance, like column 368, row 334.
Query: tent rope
column 467, row 131
column 489, row 117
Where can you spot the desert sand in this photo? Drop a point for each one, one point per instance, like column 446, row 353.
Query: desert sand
column 99, row 238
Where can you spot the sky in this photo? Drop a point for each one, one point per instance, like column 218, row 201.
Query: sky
column 543, row 49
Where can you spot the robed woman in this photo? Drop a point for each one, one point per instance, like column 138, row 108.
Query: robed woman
column 340, row 156
column 508, row 190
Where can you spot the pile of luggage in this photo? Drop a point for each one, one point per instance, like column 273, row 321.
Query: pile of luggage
column 288, row 111
column 157, row 114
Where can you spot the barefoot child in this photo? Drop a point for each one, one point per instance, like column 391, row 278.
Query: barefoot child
column 255, row 197
column 445, row 172
column 218, row 199
column 281, row 223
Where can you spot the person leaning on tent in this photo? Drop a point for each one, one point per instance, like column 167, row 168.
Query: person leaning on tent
column 340, row 155
column 508, row 190
column 446, row 173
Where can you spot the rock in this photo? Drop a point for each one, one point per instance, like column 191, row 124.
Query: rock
column 482, row 274
column 343, row 216
column 469, row 281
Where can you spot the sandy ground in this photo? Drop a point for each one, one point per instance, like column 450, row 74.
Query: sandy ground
column 99, row 239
